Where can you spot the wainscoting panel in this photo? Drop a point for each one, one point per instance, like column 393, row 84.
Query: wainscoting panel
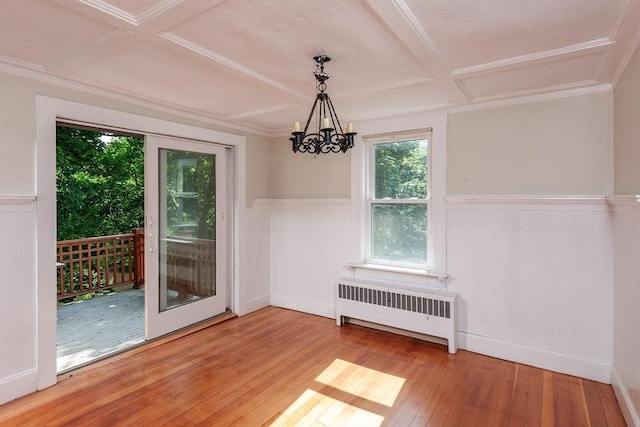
column 309, row 245
column 254, row 253
column 534, row 280
column 626, row 305
column 18, row 375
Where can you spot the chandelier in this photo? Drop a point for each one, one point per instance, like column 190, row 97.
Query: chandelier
column 329, row 136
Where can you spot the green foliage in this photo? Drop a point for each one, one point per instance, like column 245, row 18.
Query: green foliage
column 191, row 199
column 401, row 170
column 100, row 185
column 399, row 230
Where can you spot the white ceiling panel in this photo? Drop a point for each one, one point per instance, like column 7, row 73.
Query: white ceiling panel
column 407, row 99
column 279, row 40
column 567, row 73
column 471, row 32
column 250, row 63
column 43, row 33
column 146, row 70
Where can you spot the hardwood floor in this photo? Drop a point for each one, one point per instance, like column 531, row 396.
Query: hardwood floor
column 281, row 367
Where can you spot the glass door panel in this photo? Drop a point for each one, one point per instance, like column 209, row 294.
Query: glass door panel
column 188, row 233
column 186, row 254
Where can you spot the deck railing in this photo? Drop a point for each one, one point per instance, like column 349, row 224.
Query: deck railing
column 89, row 265
column 190, row 266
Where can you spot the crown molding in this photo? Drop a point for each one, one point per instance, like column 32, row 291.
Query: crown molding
column 111, row 10
column 485, row 104
column 635, row 44
column 36, row 74
column 579, row 49
column 157, row 9
column 228, row 63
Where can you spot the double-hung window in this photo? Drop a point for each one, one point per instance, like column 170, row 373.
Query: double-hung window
column 398, row 201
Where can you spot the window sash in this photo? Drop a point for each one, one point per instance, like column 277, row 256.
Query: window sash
column 371, row 201
column 412, row 249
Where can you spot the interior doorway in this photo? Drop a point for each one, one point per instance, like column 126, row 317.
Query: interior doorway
column 100, row 238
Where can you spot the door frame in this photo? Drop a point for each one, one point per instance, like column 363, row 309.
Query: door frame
column 47, row 113
column 158, row 320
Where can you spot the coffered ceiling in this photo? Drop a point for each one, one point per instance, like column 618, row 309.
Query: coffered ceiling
column 249, row 62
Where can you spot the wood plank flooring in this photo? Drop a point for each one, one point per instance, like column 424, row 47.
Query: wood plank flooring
column 282, row 368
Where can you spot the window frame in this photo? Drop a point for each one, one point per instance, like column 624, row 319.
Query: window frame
column 370, row 200
column 358, row 265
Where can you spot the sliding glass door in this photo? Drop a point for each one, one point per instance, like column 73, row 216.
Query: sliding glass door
column 187, row 277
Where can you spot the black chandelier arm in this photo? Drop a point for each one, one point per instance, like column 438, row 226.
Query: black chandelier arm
column 334, row 116
column 326, row 142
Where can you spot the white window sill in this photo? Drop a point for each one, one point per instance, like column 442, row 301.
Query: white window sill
column 395, row 269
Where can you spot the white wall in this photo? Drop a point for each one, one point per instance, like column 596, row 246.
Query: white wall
column 309, row 243
column 627, row 128
column 626, row 237
column 305, row 176
column 626, row 305
column 555, row 147
column 533, row 277
column 533, row 270
column 18, row 320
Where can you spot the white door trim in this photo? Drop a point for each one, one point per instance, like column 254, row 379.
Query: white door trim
column 48, row 112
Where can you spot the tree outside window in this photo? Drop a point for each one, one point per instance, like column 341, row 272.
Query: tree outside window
column 399, row 202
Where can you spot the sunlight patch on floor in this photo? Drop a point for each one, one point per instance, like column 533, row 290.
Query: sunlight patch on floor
column 363, row 382
column 315, row 409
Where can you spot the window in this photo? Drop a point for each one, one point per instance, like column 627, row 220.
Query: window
column 398, row 201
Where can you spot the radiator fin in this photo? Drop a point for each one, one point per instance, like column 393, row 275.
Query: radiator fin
column 396, row 300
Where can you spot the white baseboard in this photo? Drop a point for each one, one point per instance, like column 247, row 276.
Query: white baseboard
column 306, row 306
column 18, row 385
column 570, row 364
column 253, row 305
column 578, row 366
column 630, row 413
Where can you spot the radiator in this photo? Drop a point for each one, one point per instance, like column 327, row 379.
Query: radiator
column 429, row 312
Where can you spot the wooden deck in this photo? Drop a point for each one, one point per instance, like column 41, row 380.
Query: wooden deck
column 283, row 368
column 92, row 329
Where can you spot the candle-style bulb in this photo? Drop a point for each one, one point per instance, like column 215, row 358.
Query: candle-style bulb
column 325, row 123
column 350, row 127
column 296, row 126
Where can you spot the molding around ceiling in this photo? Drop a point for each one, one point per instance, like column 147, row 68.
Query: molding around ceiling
column 378, row 89
column 136, row 20
column 227, row 63
column 19, row 64
column 579, row 49
column 495, row 103
column 253, row 113
column 559, row 92
column 35, row 72
column 41, row 76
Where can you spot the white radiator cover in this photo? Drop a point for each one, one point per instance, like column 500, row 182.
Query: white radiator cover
column 427, row 312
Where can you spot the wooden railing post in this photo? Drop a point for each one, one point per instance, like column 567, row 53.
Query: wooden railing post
column 138, row 245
